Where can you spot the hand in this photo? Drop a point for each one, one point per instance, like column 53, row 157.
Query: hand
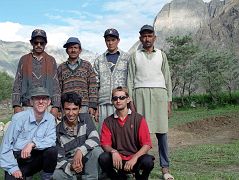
column 97, row 115
column 91, row 111
column 54, row 111
column 130, row 164
column 169, row 109
column 117, row 160
column 17, row 174
column 17, row 109
column 77, row 164
column 26, row 151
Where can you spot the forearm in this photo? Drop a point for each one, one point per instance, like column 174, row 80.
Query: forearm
column 144, row 150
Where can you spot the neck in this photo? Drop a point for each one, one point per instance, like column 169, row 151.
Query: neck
column 73, row 61
column 38, row 116
column 122, row 113
column 149, row 49
column 71, row 124
column 114, row 51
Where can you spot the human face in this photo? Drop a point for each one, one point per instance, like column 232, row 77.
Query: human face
column 147, row 39
column 120, row 100
column 40, row 103
column 38, row 45
column 112, row 43
column 71, row 112
column 73, row 51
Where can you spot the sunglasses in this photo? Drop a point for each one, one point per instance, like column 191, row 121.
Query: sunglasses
column 115, row 98
column 42, row 43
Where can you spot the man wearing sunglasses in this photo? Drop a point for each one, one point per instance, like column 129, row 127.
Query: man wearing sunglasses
column 29, row 144
column 36, row 69
column 125, row 139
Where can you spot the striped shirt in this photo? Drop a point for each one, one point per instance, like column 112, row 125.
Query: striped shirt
column 85, row 140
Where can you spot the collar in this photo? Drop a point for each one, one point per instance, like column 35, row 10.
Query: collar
column 108, row 53
column 32, row 117
column 116, row 116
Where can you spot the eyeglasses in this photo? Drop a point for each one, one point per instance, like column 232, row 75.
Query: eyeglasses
column 43, row 98
column 42, row 43
column 115, row 98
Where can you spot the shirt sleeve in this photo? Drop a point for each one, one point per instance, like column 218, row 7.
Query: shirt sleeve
column 105, row 137
column 167, row 76
column 56, row 97
column 92, row 137
column 17, row 86
column 144, row 135
column 131, row 75
column 93, row 89
column 7, row 159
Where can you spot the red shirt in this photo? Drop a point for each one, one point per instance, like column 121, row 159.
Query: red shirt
column 144, row 135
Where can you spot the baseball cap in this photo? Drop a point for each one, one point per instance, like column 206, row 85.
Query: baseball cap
column 39, row 91
column 39, row 33
column 71, row 41
column 146, row 27
column 111, row 32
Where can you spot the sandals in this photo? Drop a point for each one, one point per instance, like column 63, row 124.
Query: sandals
column 166, row 174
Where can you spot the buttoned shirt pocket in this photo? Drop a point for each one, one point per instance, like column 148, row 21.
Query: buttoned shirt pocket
column 24, row 134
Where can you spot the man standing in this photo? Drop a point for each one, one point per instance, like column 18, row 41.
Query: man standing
column 36, row 69
column 125, row 139
column 77, row 142
column 149, row 83
column 111, row 69
column 29, row 143
column 77, row 75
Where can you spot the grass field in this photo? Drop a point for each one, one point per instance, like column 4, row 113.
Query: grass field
column 208, row 150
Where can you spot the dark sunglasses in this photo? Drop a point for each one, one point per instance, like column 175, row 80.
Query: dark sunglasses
column 115, row 98
column 42, row 43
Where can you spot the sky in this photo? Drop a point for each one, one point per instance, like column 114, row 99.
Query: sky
column 85, row 19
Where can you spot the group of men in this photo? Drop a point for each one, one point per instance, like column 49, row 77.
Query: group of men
column 74, row 149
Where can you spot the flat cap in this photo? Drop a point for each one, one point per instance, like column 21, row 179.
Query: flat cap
column 39, row 91
column 111, row 32
column 71, row 41
column 146, row 27
column 39, row 33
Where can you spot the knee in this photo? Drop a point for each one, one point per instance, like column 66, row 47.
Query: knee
column 104, row 159
column 96, row 152
column 50, row 152
column 148, row 162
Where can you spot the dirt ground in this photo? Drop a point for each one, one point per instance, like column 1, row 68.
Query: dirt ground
column 218, row 130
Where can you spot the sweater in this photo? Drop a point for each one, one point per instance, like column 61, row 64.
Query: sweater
column 108, row 80
column 81, row 80
column 33, row 73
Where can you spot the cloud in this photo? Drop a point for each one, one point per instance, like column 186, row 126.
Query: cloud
column 126, row 16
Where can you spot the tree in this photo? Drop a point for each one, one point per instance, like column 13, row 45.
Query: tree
column 181, row 57
column 6, row 83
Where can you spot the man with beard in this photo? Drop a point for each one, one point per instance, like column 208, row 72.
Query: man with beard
column 149, row 84
column 36, row 69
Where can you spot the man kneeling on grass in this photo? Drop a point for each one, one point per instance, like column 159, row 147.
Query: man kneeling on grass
column 126, row 140
column 29, row 143
column 77, row 142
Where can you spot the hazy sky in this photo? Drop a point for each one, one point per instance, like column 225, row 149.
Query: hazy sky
column 85, row 19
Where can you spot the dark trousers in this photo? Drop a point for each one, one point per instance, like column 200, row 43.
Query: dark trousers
column 163, row 149
column 141, row 169
column 40, row 160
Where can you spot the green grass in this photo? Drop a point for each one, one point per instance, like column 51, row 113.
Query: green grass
column 184, row 116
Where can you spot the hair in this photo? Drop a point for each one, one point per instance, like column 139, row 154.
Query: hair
column 71, row 97
column 120, row 88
